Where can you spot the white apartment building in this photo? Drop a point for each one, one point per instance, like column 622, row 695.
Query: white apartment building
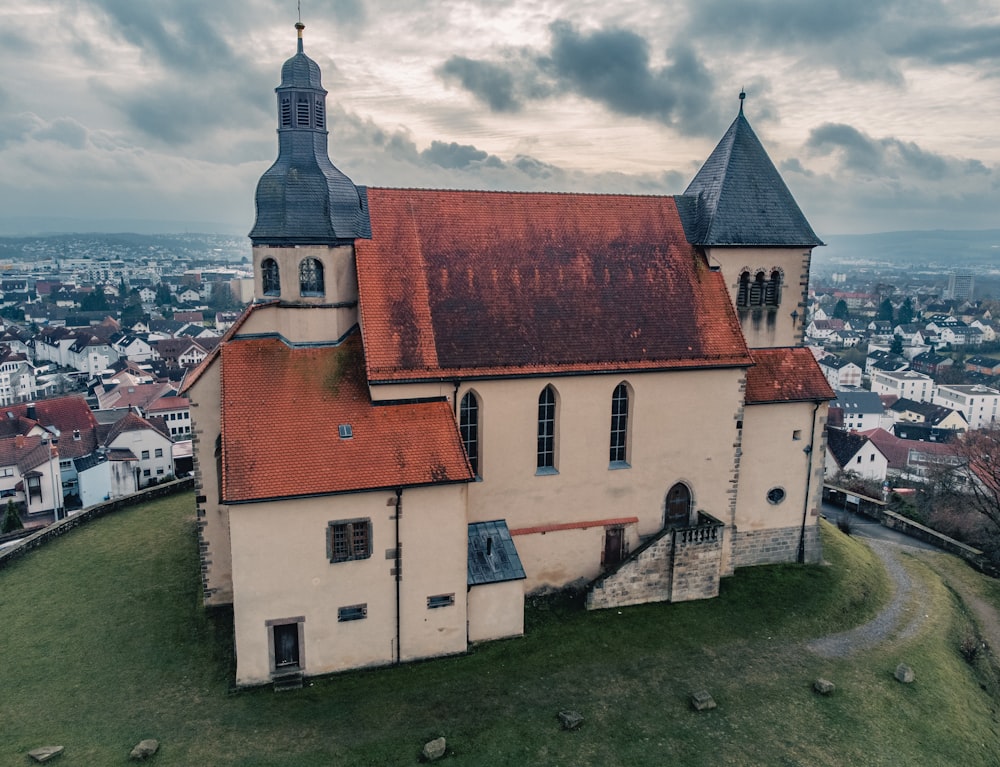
column 977, row 403
column 905, row 384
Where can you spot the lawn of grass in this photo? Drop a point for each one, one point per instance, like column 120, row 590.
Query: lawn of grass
column 105, row 643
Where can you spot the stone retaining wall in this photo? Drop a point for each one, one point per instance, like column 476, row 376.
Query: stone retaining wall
column 645, row 578
column 775, row 546
column 63, row 526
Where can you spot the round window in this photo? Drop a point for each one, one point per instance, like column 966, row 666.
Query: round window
column 776, row 495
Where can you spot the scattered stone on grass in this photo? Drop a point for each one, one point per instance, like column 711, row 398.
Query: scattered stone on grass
column 433, row 750
column 45, row 753
column 904, row 673
column 144, row 749
column 702, row 700
column 570, row 720
column 824, row 686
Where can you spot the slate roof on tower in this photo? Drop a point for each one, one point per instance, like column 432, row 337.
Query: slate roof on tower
column 738, row 198
column 463, row 283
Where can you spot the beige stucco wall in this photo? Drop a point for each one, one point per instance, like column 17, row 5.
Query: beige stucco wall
column 213, row 517
column 323, row 324
column 763, row 326
column 496, row 611
column 281, row 569
column 682, row 428
column 774, row 457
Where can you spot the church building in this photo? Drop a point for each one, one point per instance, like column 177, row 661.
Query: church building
column 442, row 401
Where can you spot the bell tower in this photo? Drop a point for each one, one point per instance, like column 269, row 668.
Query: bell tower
column 308, row 214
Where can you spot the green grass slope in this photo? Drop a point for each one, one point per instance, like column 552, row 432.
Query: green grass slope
column 105, row 643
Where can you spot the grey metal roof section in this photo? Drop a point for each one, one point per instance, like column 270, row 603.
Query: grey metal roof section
column 739, row 199
column 861, row 402
column 492, row 555
column 303, row 199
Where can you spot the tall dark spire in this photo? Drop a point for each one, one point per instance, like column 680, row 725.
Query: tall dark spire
column 303, row 199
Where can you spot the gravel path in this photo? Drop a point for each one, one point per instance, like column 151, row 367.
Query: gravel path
column 882, row 626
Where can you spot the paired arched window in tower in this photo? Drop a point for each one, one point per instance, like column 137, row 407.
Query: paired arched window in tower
column 758, row 289
column 311, row 277
column 271, row 277
column 619, row 424
column 546, row 461
column 468, row 427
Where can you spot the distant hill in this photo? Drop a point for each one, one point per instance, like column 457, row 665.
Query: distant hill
column 914, row 248
column 27, row 226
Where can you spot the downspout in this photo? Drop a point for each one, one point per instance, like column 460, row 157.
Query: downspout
column 808, row 450
column 454, row 398
column 398, row 572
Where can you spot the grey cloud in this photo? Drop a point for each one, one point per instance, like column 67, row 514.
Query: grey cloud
column 890, row 160
column 948, row 44
column 792, row 165
column 489, row 82
column 64, row 131
column 19, row 127
column 610, row 66
column 452, row 155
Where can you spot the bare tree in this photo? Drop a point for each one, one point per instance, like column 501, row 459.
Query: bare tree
column 979, row 453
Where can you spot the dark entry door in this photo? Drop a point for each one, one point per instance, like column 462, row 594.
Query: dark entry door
column 612, row 546
column 286, row 645
column 678, row 506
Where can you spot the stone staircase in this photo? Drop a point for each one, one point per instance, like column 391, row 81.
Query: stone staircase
column 287, row 680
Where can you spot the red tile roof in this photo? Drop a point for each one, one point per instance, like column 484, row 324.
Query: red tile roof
column 281, row 409
column 786, row 374
column 192, row 375
column 458, row 283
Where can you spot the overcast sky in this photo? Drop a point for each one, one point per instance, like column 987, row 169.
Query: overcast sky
column 880, row 114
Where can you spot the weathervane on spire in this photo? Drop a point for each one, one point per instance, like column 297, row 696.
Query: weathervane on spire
column 299, row 25
column 743, row 95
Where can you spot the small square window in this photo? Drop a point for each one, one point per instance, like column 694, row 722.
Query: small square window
column 440, row 600
column 352, row 613
column 159, row 452
column 146, row 472
column 797, row 434
column 345, row 430
column 145, row 455
column 348, row 540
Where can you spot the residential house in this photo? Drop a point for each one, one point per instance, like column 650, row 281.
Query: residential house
column 176, row 414
column 931, row 363
column 989, row 366
column 856, row 410
column 840, row 373
column 912, row 461
column 928, row 414
column 905, row 384
column 882, row 359
column 352, row 426
column 133, row 347
column 976, row 402
column 146, row 442
column 853, row 453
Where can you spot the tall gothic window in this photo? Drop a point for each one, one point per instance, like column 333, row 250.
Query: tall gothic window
column 547, row 431
column 468, row 426
column 311, row 278
column 619, row 424
column 271, row 277
column 743, row 292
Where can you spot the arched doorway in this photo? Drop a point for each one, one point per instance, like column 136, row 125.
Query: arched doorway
column 678, row 506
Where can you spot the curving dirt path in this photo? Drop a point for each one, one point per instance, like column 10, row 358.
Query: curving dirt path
column 884, row 625
column 889, row 623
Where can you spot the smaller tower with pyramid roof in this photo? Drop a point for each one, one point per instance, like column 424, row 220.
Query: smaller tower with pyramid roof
column 739, row 210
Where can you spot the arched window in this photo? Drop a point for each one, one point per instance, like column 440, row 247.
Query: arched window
column 271, row 277
column 678, row 506
column 547, row 431
column 468, row 427
column 743, row 292
column 619, row 424
column 772, row 291
column 311, row 278
column 757, row 290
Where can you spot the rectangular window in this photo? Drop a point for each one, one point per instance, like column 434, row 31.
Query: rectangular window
column 349, row 539
column 159, row 452
column 146, row 472
column 797, row 434
column 7, row 472
column 34, row 488
column 440, row 600
column 159, row 471
column 145, row 455
column 352, row 613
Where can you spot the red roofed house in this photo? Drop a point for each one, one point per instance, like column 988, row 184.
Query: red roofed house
column 441, row 401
